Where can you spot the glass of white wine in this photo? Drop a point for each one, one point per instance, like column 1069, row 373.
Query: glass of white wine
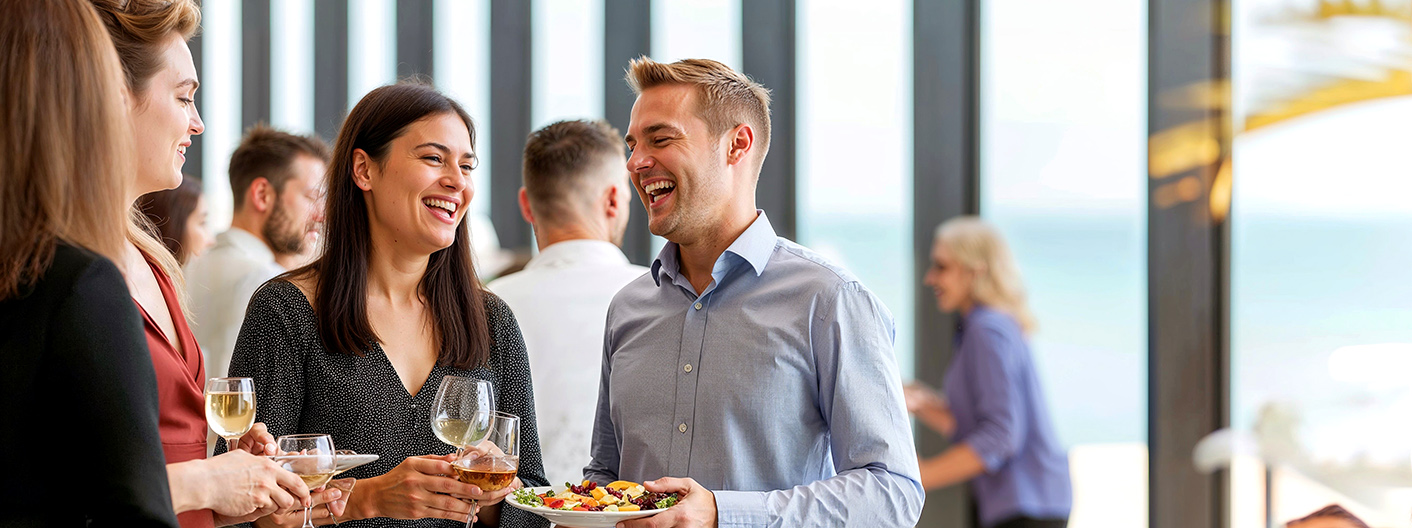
column 230, row 407
column 312, row 457
column 461, row 415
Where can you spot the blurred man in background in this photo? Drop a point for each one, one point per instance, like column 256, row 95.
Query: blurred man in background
column 576, row 196
column 276, row 180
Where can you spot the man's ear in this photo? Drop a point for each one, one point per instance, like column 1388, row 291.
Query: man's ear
column 742, row 141
column 525, row 207
column 614, row 201
column 261, row 195
column 362, row 170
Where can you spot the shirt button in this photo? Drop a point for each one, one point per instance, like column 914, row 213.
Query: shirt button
column 698, row 306
column 687, row 367
column 682, row 428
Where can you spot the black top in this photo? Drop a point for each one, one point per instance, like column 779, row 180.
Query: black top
column 78, row 398
column 302, row 388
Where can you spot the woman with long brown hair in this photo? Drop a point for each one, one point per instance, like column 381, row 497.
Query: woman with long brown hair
column 354, row 344
column 76, row 384
column 150, row 38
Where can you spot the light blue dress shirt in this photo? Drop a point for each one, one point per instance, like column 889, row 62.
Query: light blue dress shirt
column 776, row 388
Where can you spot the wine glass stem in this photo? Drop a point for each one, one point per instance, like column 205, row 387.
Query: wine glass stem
column 307, row 523
column 474, row 506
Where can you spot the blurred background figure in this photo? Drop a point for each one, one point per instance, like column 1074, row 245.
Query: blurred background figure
column 72, row 349
column 993, row 407
column 576, row 197
column 179, row 216
column 276, row 178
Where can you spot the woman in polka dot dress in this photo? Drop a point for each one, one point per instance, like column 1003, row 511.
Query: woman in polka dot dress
column 355, row 343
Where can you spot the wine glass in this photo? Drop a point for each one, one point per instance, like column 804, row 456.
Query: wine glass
column 312, row 457
column 230, row 407
column 461, row 415
column 492, row 463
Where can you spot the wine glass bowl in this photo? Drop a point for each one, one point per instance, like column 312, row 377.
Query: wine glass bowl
column 462, row 413
column 311, row 457
column 230, row 407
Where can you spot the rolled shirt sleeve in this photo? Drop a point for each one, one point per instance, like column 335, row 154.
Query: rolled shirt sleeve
column 994, row 371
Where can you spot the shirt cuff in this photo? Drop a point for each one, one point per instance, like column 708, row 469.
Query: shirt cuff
column 990, row 456
column 741, row 509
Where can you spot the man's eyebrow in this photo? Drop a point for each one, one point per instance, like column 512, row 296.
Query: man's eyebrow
column 193, row 83
column 655, row 128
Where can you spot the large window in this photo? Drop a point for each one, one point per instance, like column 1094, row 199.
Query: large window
column 1321, row 245
column 567, row 60
column 855, row 96
column 1063, row 176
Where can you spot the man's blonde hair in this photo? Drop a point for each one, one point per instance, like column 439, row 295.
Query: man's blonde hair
column 727, row 98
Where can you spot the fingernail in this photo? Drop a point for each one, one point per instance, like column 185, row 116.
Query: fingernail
column 336, row 494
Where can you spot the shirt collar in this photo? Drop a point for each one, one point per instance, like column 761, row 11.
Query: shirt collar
column 578, row 251
column 754, row 246
column 248, row 243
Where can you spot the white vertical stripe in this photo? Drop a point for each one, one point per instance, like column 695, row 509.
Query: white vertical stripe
column 696, row 29
column 568, row 60
column 221, row 93
column 372, row 46
column 292, row 65
column 462, row 70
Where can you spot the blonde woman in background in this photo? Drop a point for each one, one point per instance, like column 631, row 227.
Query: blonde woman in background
column 992, row 407
column 160, row 77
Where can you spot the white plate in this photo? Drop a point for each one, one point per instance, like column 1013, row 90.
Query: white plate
column 577, row 519
column 347, row 462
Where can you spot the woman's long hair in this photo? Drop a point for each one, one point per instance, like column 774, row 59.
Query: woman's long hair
column 168, row 211
column 978, row 247
column 451, row 290
column 65, row 158
column 139, row 29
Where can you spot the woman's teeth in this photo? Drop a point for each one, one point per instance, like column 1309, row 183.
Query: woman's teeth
column 450, row 207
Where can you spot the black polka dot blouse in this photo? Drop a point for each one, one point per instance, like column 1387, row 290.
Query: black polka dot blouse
column 302, row 388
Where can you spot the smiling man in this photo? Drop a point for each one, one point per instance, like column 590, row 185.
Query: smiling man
column 744, row 371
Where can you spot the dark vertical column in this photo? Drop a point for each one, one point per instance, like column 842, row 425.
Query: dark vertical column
column 1188, row 256
column 330, row 66
column 193, row 164
column 769, row 57
column 254, row 62
column 946, row 184
column 510, row 39
column 627, row 34
column 414, row 38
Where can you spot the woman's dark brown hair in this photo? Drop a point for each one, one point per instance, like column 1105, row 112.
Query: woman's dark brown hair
column 450, row 288
column 169, row 210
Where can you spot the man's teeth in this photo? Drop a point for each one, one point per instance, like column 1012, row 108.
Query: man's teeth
column 443, row 204
column 182, row 150
column 653, row 187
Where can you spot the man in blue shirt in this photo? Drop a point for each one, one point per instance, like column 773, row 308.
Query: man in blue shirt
column 744, row 371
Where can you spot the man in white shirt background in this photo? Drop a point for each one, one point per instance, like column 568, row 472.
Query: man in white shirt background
column 576, row 196
column 276, row 179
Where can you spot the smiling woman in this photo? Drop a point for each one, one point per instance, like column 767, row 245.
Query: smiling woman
column 351, row 357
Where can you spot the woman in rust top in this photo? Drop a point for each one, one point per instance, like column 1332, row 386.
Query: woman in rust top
column 150, row 37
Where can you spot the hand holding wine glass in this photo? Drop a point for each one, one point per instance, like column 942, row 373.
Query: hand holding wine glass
column 312, row 458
